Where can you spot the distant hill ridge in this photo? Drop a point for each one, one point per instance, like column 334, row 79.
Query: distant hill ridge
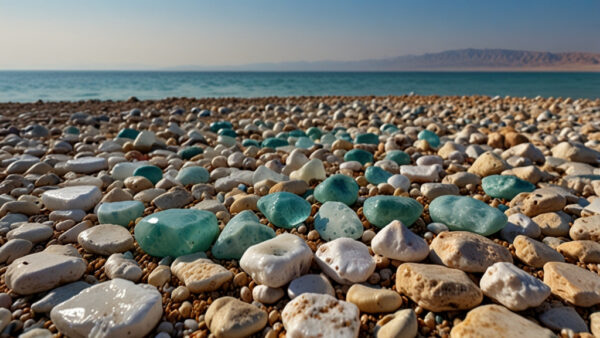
column 462, row 59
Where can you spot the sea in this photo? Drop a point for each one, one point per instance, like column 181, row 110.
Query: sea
column 30, row 86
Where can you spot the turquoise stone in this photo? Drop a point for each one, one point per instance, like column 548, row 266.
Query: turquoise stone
column 228, row 132
column 128, row 133
column 243, row 231
column 190, row 152
column 297, row 133
column 430, row 137
column 193, row 175
column 176, row 232
column 250, row 142
column 368, row 138
column 502, row 207
column 398, row 156
column 274, row 142
column 338, row 187
column 304, row 142
column 335, row 220
column 388, row 128
column 328, row 138
column 120, row 213
column 381, row 210
column 314, row 133
column 359, row 155
column 344, row 136
column 151, row 172
column 376, row 175
column 284, row 209
column 218, row 125
column 71, row 130
column 467, row 214
column 505, row 186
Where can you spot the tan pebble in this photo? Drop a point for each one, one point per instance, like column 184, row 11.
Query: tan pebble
column 180, row 294
column 230, row 317
column 373, row 300
column 246, row 294
column 185, row 309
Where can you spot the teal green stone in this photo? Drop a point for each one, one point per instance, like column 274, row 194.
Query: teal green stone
column 345, row 137
column 218, row 125
column 314, row 133
column 297, row 133
column 241, row 232
column 128, row 133
column 250, row 142
column 388, row 128
column 274, row 142
column 398, row 156
column 335, row 220
column 381, row 210
column 190, row 152
column 338, row 187
column 120, row 213
column 304, row 142
column 430, row 137
column 465, row 213
column 328, row 138
column 359, row 155
column 505, row 186
column 176, row 232
column 193, row 175
column 376, row 175
column 502, row 207
column 151, row 172
column 228, row 132
column 71, row 130
column 284, row 209
column 368, row 138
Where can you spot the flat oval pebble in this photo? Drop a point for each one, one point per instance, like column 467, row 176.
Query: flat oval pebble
column 121, row 213
column 105, row 239
column 82, row 197
column 467, row 214
column 381, row 210
column 505, row 186
column 310, row 284
column 373, row 300
column 339, row 188
column 335, row 220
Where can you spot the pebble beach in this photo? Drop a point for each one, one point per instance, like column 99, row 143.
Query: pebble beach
column 401, row 216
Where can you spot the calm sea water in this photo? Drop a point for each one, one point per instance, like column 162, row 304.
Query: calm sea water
column 27, row 86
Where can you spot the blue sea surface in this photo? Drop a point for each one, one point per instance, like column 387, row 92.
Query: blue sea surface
column 28, row 86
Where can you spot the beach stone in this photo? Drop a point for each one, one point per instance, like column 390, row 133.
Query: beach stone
column 554, row 224
column 213, row 206
column 399, row 181
column 189, row 152
column 267, row 295
column 586, row 228
column 434, row 190
column 119, row 265
column 312, row 315
column 37, row 333
column 467, row 214
column 368, row 138
column 116, row 195
column 575, row 152
column 83, row 197
column 432, row 139
column 358, row 155
column 115, row 308
column 13, row 249
column 246, row 202
column 373, row 300
column 345, row 260
column 585, row 251
column 467, row 251
column 398, row 156
column 65, row 250
column 519, row 224
column 19, row 207
column 563, row 317
column 176, row 197
column 535, row 253
column 284, row 209
column 144, row 141
column 199, row 273
column 240, row 233
column 5, row 317
column 121, row 213
column 42, row 271
column 528, row 173
column 311, row 170
column 193, row 175
column 577, row 286
column 421, row 173
column 87, row 165
column 57, row 296
column 395, row 241
column 176, row 232
column 137, row 183
column 105, row 239
column 277, row 261
column 488, row 164
column 437, row 288
column 376, row 175
column 33, row 232
column 462, row 179
column 159, row 276
column 401, row 324
column 339, row 188
column 497, row 321
column 513, row 287
column 297, row 187
column 505, row 186
column 263, row 173
column 71, row 235
column 539, row 202
column 335, row 220
column 526, row 150
column 311, row 283
column 595, row 323
column 230, row 317
column 151, row 172
column 60, row 215
column 382, row 210
column 123, row 170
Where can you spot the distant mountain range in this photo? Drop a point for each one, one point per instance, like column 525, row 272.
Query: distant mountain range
column 463, row 59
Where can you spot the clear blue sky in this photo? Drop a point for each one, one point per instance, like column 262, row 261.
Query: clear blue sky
column 137, row 34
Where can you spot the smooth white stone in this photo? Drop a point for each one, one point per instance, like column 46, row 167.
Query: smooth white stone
column 311, row 170
column 399, row 181
column 277, row 261
column 125, row 169
column 116, row 308
column 33, row 232
column 87, row 165
column 421, row 173
column 345, row 260
column 396, row 241
column 519, row 224
column 351, row 165
column 310, row 284
column 57, row 296
column 119, row 266
column 266, row 295
column 263, row 173
column 83, row 197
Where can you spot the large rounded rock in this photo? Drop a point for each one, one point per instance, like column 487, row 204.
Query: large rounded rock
column 467, row 214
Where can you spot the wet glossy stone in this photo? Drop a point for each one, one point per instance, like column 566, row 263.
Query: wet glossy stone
column 430, row 137
column 359, row 155
column 467, row 214
column 284, row 209
column 398, row 156
column 376, row 175
column 335, row 220
column 240, row 233
column 121, row 213
column 381, row 210
column 151, row 172
column 505, row 186
column 338, row 187
column 193, row 175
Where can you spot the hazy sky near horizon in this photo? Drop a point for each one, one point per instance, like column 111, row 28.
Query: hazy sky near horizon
column 145, row 34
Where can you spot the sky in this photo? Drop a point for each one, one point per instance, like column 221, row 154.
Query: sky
column 149, row 34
